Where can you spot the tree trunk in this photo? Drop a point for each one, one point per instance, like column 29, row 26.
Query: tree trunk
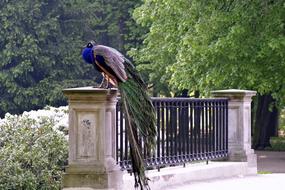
column 266, row 121
column 273, row 131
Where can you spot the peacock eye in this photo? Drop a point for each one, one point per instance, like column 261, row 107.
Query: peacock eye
column 89, row 45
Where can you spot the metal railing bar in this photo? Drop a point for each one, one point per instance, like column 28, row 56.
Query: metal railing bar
column 187, row 130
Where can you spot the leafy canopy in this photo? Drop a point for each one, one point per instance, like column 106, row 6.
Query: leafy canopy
column 40, row 47
column 206, row 45
column 39, row 53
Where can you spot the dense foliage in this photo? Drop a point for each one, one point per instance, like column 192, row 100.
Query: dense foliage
column 205, row 45
column 39, row 53
column 201, row 45
column 40, row 46
column 33, row 151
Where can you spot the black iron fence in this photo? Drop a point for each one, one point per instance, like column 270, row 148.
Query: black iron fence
column 187, row 130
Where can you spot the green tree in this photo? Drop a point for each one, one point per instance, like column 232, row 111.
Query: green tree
column 114, row 25
column 39, row 53
column 206, row 45
column 40, row 47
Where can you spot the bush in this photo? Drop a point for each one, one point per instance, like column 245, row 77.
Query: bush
column 277, row 143
column 282, row 120
column 32, row 152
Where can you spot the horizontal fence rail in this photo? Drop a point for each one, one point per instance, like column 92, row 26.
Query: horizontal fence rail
column 188, row 130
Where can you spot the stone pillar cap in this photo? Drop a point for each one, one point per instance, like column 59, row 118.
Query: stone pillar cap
column 88, row 89
column 234, row 91
column 90, row 93
column 234, row 94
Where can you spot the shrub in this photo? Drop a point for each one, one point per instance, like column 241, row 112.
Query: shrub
column 277, row 143
column 32, row 152
column 282, row 120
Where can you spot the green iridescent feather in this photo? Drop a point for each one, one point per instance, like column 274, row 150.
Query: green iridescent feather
column 140, row 116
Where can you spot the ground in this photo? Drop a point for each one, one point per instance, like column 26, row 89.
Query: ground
column 272, row 163
column 259, row 182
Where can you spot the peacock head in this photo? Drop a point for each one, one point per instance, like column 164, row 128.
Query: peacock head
column 87, row 53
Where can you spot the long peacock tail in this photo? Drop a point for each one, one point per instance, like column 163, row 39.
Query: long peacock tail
column 140, row 117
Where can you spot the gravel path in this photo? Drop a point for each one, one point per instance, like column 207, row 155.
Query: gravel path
column 272, row 162
column 267, row 161
column 259, row 182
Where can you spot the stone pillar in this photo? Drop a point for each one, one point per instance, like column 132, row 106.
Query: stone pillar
column 239, row 123
column 92, row 146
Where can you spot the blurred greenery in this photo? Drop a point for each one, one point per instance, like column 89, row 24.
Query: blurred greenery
column 282, row 120
column 277, row 144
column 41, row 42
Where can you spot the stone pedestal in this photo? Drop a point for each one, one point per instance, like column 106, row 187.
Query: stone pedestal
column 91, row 162
column 239, row 121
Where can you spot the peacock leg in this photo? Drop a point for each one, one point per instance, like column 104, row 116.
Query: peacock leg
column 108, row 81
column 103, row 81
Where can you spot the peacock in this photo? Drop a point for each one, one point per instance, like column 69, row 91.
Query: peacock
column 137, row 106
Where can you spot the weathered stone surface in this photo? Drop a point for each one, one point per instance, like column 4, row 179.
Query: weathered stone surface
column 239, row 121
column 92, row 131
